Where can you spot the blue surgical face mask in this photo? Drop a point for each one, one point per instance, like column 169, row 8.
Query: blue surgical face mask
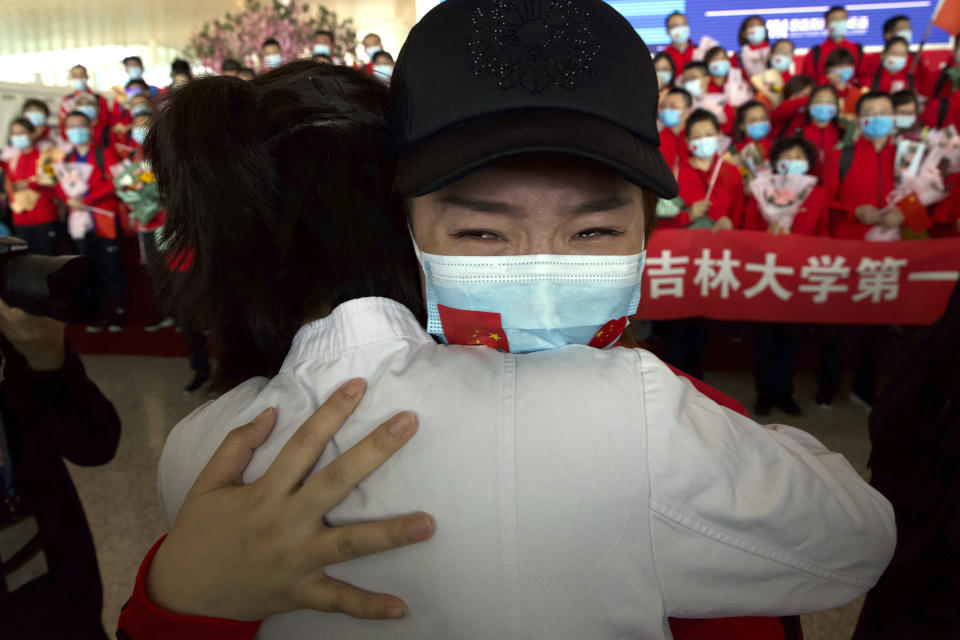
column 758, row 130
column 719, row 68
column 844, row 72
column 383, row 71
column 579, row 299
column 694, row 88
column 670, row 117
column 705, row 147
column 139, row 134
column 36, row 118
column 895, row 64
column 680, row 34
column 273, row 60
column 321, row 50
column 904, row 121
column 78, row 137
column 665, row 77
column 780, row 62
column 906, row 34
column 134, row 73
column 372, row 51
column 139, row 110
column 20, row 141
column 837, row 28
column 78, row 84
column 798, row 167
column 876, row 126
column 756, row 34
column 823, row 112
column 88, row 110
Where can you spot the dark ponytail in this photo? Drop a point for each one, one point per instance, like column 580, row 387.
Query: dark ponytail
column 280, row 190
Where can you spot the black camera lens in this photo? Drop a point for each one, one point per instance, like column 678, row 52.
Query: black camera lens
column 67, row 288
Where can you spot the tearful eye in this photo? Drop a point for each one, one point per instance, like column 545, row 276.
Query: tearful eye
column 477, row 234
column 588, row 234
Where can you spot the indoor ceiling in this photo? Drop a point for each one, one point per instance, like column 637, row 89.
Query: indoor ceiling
column 43, row 25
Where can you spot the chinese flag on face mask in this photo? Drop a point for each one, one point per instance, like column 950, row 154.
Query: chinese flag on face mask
column 473, row 328
column 609, row 333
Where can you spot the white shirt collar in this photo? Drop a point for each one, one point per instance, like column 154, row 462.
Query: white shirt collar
column 354, row 324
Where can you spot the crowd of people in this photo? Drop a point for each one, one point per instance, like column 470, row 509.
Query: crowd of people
column 76, row 183
column 729, row 120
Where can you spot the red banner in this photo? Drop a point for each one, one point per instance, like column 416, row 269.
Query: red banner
column 754, row 275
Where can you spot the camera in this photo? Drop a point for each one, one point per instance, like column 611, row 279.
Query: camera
column 66, row 288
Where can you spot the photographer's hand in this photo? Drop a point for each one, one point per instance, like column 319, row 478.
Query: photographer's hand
column 40, row 340
column 247, row 552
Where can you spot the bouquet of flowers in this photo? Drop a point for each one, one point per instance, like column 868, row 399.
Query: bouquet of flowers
column 136, row 186
column 780, row 195
column 74, row 180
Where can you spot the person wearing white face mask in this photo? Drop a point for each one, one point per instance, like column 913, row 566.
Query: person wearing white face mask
column 906, row 114
column 38, row 114
column 777, row 343
column 323, row 43
column 383, row 66
column 371, row 45
column 836, row 24
column 680, row 49
column 79, row 86
column 893, row 74
column 754, row 54
column 271, row 55
column 486, row 205
column 697, row 80
column 31, row 196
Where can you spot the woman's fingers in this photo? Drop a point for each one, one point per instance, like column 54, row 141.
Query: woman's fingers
column 234, row 453
column 328, row 486
column 340, row 544
column 303, row 449
column 333, row 596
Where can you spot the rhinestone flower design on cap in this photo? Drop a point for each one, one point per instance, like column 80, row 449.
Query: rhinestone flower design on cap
column 533, row 44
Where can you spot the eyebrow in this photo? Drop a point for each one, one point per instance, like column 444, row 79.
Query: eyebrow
column 608, row 203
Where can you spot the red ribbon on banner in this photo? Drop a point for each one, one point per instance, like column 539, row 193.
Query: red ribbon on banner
column 759, row 276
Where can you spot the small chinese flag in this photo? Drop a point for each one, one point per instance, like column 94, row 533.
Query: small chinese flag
column 473, row 327
column 609, row 333
column 947, row 16
column 914, row 214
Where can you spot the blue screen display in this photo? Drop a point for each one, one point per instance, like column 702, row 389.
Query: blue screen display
column 800, row 22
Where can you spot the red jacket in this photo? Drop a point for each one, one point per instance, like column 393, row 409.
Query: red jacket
column 673, row 147
column 24, row 167
column 680, row 58
column 727, row 197
column 788, row 116
column 868, row 181
column 882, row 80
column 811, row 219
column 691, row 190
column 100, row 193
column 942, row 112
column 825, row 48
column 104, row 117
column 947, row 211
column 823, row 138
column 140, row 619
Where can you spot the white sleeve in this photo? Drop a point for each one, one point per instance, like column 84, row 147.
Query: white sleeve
column 753, row 520
column 195, row 439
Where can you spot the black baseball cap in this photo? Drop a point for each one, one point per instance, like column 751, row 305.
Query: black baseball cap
column 482, row 80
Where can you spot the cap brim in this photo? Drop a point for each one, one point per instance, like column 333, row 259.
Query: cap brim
column 466, row 147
